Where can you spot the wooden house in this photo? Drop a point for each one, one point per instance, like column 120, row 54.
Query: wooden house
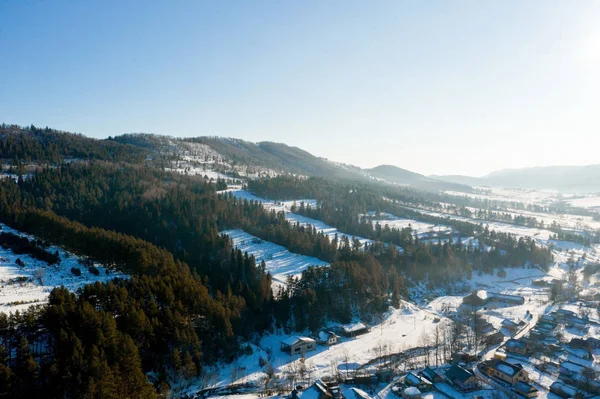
column 298, row 345
column 462, row 378
column 510, row 373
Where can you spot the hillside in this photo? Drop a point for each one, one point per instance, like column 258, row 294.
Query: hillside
column 560, row 178
column 396, row 175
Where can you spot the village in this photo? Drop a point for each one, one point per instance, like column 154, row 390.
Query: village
column 552, row 351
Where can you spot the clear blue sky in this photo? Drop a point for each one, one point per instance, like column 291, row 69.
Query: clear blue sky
column 436, row 87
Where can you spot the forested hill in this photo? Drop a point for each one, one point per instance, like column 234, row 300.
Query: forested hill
column 394, row 174
column 192, row 299
column 31, row 143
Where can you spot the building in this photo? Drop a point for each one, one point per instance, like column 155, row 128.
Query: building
column 328, row 391
column 462, row 378
column 359, row 393
column 562, row 390
column 431, row 375
column 513, row 327
column 298, row 345
column 327, row 338
column 511, row 373
column 595, row 342
column 517, row 346
column 570, row 369
column 352, row 330
column 483, row 297
column 413, row 380
column 494, row 339
column 526, row 389
column 578, row 343
column 565, row 314
column 411, row 393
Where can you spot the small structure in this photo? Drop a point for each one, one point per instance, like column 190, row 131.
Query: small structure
column 462, row 378
column 298, row 345
column 411, row 393
column 431, row 375
column 526, row 389
column 352, row 330
column 500, row 354
column 511, row 373
column 327, row 338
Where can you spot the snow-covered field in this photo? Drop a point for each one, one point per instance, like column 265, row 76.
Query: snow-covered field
column 399, row 330
column 285, row 207
column 22, row 287
column 280, row 262
column 419, row 228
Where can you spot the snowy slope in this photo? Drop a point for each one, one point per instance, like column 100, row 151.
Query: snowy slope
column 23, row 287
column 280, row 262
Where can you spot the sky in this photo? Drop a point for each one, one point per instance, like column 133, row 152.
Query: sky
column 437, row 87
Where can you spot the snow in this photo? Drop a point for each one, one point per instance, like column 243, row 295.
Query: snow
column 399, row 330
column 16, row 295
column 506, row 369
column 293, row 217
column 280, row 262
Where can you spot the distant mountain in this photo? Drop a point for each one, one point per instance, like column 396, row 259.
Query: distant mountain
column 394, row 174
column 561, row 178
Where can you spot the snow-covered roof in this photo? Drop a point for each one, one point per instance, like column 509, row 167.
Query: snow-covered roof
column 413, row 379
column 354, row 327
column 412, row 391
column 325, row 335
column 505, row 367
column 361, row 393
column 572, row 367
column 295, row 339
column 524, row 387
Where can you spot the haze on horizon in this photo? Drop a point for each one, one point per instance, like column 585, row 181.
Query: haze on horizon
column 435, row 87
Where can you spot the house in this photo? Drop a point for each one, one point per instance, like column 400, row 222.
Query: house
column 511, row 373
column 431, row 375
column 411, row 393
column 298, row 345
column 413, row 380
column 570, row 369
column 595, row 342
column 327, row 338
column 565, row 314
column 322, row 390
column 513, row 327
column 562, row 390
column 328, row 391
column 546, row 327
column 517, row 346
column 462, row 378
column 483, row 297
column 460, row 357
column 494, row 339
column 578, row 343
column 352, row 330
column 526, row 389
